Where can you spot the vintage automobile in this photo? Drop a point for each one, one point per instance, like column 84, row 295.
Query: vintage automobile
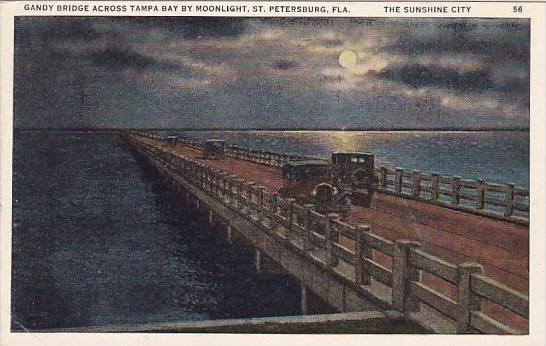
column 308, row 181
column 329, row 199
column 354, row 172
column 214, row 149
column 301, row 176
column 172, row 140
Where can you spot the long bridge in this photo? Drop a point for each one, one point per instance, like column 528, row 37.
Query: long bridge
column 448, row 253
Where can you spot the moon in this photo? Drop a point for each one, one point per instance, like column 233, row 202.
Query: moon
column 347, row 59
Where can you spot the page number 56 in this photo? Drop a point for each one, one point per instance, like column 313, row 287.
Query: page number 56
column 517, row 9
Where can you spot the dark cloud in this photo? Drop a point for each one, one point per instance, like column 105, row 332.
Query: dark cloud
column 514, row 86
column 119, row 58
column 193, row 27
column 499, row 48
column 243, row 72
column 459, row 26
column 475, row 81
column 64, row 29
column 320, row 22
column 418, row 75
column 331, row 42
column 284, row 64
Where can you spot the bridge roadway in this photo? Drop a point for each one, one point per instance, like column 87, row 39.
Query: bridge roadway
column 454, row 236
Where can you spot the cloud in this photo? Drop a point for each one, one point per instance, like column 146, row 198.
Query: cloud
column 119, row 58
column 237, row 72
column 192, row 27
column 65, row 28
column 495, row 40
column 418, row 75
column 284, row 64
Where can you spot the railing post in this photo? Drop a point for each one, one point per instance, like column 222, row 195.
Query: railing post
column 196, row 173
column 219, row 191
column 209, row 179
column 223, row 185
column 290, row 218
column 274, row 203
column 278, row 160
column 255, row 199
column 383, row 178
column 231, row 194
column 331, row 259
column 480, row 194
column 467, row 302
column 509, row 200
column 201, row 176
column 455, row 189
column 261, row 192
column 362, row 251
column 215, row 182
column 205, row 177
column 246, row 154
column 398, row 180
column 416, row 184
column 274, row 206
column 435, row 186
column 249, row 185
column 239, row 196
column 307, row 243
column 403, row 274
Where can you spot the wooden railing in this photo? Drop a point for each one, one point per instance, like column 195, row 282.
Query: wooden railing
column 332, row 241
column 260, row 156
column 241, row 153
column 508, row 201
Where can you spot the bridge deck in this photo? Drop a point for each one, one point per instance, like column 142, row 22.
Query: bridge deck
column 457, row 237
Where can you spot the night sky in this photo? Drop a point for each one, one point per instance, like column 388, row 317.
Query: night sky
column 270, row 73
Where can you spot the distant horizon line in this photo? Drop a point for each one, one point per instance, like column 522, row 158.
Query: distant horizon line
column 352, row 129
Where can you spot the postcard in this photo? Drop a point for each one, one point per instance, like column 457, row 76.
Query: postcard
column 287, row 172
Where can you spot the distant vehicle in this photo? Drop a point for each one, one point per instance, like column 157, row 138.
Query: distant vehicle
column 172, row 140
column 214, row 149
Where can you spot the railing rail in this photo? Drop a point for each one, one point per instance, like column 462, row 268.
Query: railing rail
column 264, row 157
column 507, row 201
column 325, row 232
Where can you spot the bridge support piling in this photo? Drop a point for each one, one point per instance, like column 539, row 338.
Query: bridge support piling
column 304, row 300
column 258, row 261
column 228, row 234
column 211, row 218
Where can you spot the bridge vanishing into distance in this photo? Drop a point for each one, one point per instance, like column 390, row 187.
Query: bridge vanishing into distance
column 448, row 253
